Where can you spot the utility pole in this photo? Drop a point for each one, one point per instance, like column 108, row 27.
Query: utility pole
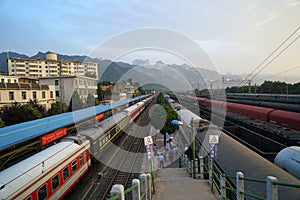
column 249, row 86
column 193, row 148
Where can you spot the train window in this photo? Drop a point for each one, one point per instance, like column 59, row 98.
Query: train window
column 80, row 160
column 84, row 156
column 74, row 166
column 29, row 198
column 66, row 173
column 42, row 193
column 55, row 182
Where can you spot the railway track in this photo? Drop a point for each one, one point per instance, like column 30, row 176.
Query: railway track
column 117, row 165
column 262, row 144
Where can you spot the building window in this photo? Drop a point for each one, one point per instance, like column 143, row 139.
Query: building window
column 43, row 95
column 2, row 80
column 51, row 94
column 11, row 96
column 34, row 95
column 8, row 80
column 57, row 93
column 24, row 95
column 56, row 82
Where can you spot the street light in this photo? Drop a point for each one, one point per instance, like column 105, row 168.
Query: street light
column 176, row 122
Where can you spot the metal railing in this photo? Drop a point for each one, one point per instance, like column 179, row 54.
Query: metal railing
column 141, row 189
column 224, row 184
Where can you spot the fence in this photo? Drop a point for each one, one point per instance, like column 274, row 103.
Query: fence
column 141, row 189
column 210, row 170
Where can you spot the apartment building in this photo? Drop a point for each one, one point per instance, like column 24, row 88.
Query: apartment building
column 50, row 67
column 12, row 90
column 65, row 86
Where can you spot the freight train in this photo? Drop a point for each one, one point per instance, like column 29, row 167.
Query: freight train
column 52, row 172
column 286, row 119
column 232, row 157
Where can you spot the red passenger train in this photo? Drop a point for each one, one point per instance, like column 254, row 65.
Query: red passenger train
column 49, row 174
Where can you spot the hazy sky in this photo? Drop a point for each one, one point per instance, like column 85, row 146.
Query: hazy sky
column 236, row 35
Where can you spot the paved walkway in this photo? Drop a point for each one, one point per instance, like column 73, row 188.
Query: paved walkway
column 175, row 184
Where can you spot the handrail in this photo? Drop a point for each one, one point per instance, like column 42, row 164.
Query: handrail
column 130, row 189
column 253, row 195
column 287, row 184
column 216, row 180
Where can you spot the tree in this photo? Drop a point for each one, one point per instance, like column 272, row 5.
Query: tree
column 75, row 102
column 2, row 124
column 100, row 92
column 170, row 115
column 39, row 107
column 90, row 101
column 57, row 108
column 17, row 113
column 160, row 99
column 108, row 92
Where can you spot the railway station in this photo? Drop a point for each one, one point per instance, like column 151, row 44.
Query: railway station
column 152, row 100
column 99, row 154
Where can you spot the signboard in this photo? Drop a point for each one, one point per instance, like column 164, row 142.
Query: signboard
column 149, row 146
column 213, row 150
column 99, row 117
column 213, row 139
column 46, row 139
column 148, row 140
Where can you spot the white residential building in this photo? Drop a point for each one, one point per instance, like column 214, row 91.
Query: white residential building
column 11, row 90
column 65, row 86
column 52, row 67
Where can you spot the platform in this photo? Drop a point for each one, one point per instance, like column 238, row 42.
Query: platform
column 176, row 184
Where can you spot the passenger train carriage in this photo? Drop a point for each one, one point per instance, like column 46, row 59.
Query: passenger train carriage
column 109, row 129
column 49, row 174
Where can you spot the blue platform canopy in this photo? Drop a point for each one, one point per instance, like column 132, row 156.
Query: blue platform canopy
column 12, row 135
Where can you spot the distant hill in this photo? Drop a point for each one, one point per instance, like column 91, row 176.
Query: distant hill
column 140, row 71
column 3, row 57
column 112, row 71
column 141, row 62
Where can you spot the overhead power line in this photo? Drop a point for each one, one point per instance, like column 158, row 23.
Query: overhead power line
column 291, row 69
column 271, row 54
column 276, row 56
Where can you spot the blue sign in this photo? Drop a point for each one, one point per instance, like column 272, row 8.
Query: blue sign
column 149, row 148
column 213, row 150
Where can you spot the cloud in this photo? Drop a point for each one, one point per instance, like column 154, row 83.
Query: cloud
column 265, row 21
column 292, row 3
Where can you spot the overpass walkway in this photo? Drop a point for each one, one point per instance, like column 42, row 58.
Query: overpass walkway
column 176, row 184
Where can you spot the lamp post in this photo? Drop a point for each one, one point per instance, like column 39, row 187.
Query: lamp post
column 176, row 122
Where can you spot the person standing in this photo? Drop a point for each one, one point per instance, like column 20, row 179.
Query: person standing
column 161, row 161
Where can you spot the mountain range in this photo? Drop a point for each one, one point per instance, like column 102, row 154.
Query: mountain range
column 174, row 76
